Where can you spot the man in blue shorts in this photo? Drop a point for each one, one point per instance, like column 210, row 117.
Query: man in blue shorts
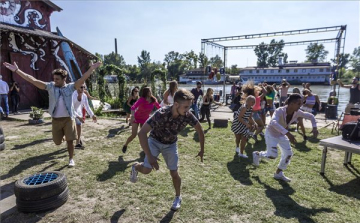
column 164, row 126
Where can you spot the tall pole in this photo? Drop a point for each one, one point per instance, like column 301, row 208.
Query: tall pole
column 224, row 95
column 116, row 46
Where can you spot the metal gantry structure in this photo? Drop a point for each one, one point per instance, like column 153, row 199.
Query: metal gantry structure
column 339, row 41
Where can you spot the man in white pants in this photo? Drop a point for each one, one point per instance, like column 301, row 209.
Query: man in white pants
column 277, row 134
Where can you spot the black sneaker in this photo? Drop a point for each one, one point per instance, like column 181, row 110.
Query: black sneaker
column 78, row 146
column 305, row 137
column 124, row 149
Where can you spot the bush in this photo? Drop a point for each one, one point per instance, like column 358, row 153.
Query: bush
column 114, row 102
column 36, row 113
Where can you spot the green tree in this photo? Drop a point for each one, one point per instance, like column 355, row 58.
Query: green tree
column 316, row 52
column 174, row 64
column 261, row 51
column 355, row 60
column 274, row 52
column 216, row 62
column 114, row 59
column 344, row 59
column 133, row 72
column 203, row 60
column 234, row 70
column 144, row 62
column 191, row 60
column 269, row 54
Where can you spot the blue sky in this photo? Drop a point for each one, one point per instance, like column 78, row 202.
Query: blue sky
column 163, row 26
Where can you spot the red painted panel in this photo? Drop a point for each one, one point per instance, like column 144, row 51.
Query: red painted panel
column 29, row 95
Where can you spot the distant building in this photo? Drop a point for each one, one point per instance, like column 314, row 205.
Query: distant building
column 198, row 74
column 294, row 73
column 26, row 38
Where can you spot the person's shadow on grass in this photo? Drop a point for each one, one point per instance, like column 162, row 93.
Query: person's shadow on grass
column 116, row 216
column 34, row 161
column 168, row 217
column 238, row 170
column 39, row 141
column 285, row 206
column 118, row 166
column 117, row 131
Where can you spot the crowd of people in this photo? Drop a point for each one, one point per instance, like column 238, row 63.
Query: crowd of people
column 254, row 102
column 160, row 123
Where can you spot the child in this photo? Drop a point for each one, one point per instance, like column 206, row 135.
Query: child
column 243, row 124
column 140, row 112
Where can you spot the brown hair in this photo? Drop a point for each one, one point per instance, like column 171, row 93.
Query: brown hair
column 60, row 72
column 145, row 93
column 173, row 88
column 183, row 95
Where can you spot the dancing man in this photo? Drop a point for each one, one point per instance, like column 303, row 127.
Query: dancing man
column 164, row 126
column 60, row 103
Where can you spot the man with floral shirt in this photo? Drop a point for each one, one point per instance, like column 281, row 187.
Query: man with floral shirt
column 164, row 126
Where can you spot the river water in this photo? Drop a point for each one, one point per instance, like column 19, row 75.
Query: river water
column 322, row 91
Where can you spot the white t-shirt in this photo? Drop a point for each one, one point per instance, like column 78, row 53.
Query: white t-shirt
column 4, row 87
column 60, row 109
column 79, row 104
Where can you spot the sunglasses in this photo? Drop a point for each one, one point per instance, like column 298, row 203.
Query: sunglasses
column 82, row 87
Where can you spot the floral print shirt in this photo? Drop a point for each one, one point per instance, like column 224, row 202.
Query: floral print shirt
column 165, row 128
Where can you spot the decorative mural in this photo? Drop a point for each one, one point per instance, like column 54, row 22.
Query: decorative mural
column 58, row 59
column 12, row 11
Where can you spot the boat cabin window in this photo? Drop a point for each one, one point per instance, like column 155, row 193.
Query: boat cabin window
column 327, row 69
column 257, row 71
column 264, row 71
column 287, row 71
column 295, row 70
column 321, row 70
column 279, row 71
column 272, row 71
column 250, row 71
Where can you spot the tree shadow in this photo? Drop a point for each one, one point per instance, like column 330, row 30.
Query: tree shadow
column 285, row 206
column 16, row 147
column 34, row 161
column 118, row 166
column 238, row 170
column 350, row 189
column 116, row 216
column 168, row 217
column 117, row 131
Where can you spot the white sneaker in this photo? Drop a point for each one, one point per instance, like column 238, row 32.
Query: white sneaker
column 71, row 163
column 242, row 155
column 281, row 176
column 177, row 203
column 256, row 158
column 133, row 174
column 237, row 150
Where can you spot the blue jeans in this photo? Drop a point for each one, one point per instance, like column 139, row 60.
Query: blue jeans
column 6, row 102
column 196, row 110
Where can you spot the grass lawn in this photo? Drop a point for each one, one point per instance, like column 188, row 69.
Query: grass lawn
column 224, row 188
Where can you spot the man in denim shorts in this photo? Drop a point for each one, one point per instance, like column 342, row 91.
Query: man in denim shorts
column 164, row 126
column 60, row 103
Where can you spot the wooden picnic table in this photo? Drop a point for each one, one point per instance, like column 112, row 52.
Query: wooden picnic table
column 337, row 142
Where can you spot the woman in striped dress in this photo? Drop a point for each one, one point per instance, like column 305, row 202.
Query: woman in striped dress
column 243, row 125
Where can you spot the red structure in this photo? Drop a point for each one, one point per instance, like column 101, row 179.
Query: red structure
column 26, row 38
